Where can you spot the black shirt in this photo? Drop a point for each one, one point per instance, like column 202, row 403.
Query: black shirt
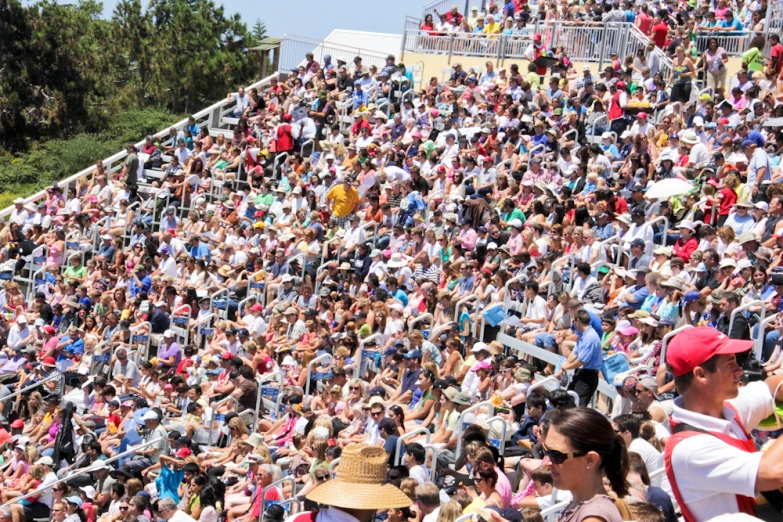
column 420, row 185
column 47, row 314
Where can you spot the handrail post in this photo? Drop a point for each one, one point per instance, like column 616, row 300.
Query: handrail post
column 757, row 302
column 460, row 422
column 322, row 357
column 451, row 48
column 84, row 471
column 665, row 340
column 214, row 415
column 273, row 485
column 406, row 436
column 260, row 380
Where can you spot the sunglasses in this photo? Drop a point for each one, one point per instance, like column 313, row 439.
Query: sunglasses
column 123, row 508
column 558, row 457
column 354, row 388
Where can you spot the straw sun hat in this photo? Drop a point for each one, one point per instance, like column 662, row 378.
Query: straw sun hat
column 360, row 482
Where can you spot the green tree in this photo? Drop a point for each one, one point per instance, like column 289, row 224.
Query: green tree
column 199, row 53
column 259, row 31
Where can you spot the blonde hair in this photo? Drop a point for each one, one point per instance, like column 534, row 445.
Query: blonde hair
column 262, row 450
column 37, row 472
column 408, row 486
column 450, row 511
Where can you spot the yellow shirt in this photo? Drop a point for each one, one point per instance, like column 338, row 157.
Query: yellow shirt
column 345, row 199
column 493, row 28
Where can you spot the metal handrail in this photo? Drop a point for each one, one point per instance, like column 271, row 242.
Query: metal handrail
column 115, row 158
column 665, row 226
column 461, row 422
column 212, row 418
column 543, row 384
column 360, row 355
column 132, row 340
column 176, row 322
column 322, row 357
column 95, row 351
column 757, row 302
column 333, row 466
column 212, row 297
column 260, row 380
column 272, row 485
column 419, row 319
column 81, row 472
column 665, row 340
column 35, row 385
column 503, row 428
column 467, row 299
column 406, row 436
column 758, row 344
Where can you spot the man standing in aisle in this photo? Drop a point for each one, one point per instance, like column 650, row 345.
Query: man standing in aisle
column 711, row 460
column 586, row 359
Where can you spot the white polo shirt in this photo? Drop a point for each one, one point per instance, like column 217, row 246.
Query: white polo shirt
column 708, row 472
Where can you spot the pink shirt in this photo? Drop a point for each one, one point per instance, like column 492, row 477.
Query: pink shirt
column 468, row 239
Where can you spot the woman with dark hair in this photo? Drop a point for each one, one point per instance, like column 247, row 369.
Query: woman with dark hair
column 209, row 498
column 582, row 447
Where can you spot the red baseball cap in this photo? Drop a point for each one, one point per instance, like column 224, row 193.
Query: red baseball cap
column 18, row 423
column 49, row 329
column 226, row 356
column 694, row 346
column 49, row 361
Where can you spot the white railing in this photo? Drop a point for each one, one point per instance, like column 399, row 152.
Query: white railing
column 294, row 47
column 209, row 116
column 734, row 43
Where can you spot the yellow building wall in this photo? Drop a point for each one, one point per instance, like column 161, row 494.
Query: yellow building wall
column 433, row 65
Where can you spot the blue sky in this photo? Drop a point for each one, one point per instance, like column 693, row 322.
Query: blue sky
column 320, row 17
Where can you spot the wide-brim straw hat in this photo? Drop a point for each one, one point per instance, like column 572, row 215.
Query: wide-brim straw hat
column 360, row 482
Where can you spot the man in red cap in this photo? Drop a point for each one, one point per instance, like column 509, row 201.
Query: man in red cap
column 711, row 461
column 535, row 50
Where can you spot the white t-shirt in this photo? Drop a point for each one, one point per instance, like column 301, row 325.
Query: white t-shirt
column 169, row 267
column 651, row 457
column 708, row 472
column 46, row 497
column 545, row 502
column 537, row 309
column 420, row 473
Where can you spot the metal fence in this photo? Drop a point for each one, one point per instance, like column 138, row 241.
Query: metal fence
column 583, row 42
column 733, row 44
column 443, row 6
column 293, row 49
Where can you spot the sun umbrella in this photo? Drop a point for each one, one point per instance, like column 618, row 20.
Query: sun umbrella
column 668, row 188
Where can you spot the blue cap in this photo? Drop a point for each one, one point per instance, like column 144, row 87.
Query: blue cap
column 391, row 350
column 746, row 143
column 139, row 414
column 701, row 268
column 216, row 371
column 413, row 354
column 74, row 500
column 691, row 297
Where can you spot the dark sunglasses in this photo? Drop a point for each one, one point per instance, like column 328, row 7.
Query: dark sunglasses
column 558, row 457
column 123, row 508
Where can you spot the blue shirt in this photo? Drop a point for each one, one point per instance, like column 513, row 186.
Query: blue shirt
column 146, row 284
column 402, row 296
column 201, row 252
column 588, row 350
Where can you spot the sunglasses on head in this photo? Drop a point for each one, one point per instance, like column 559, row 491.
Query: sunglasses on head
column 558, row 457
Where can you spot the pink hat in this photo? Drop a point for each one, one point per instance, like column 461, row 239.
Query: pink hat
column 630, row 330
column 481, row 365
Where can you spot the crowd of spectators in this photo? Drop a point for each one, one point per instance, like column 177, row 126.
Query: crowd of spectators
column 354, row 281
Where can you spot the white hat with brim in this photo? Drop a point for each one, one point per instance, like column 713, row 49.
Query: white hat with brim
column 360, row 482
column 396, row 261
